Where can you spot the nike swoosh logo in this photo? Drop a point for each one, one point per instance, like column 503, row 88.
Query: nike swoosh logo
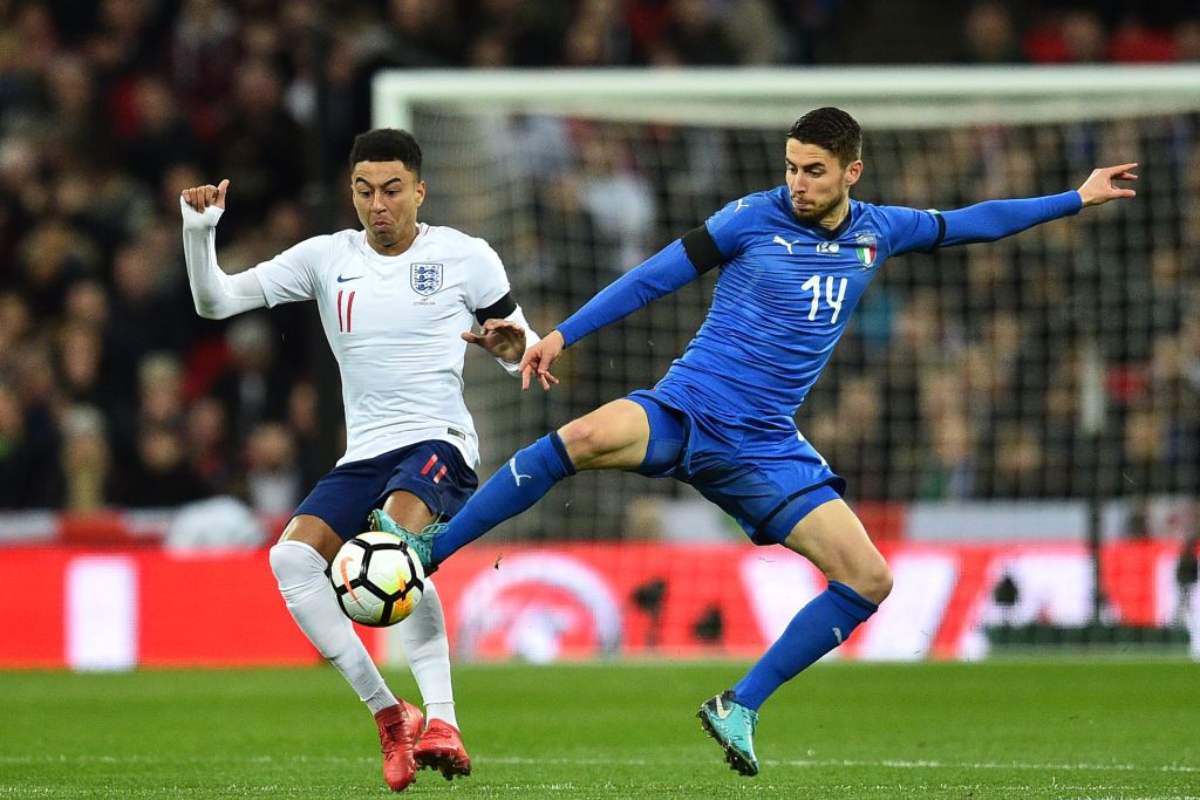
column 346, row 577
column 343, row 279
column 837, row 634
column 722, row 711
column 512, row 466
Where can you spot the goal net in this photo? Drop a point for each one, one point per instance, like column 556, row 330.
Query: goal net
column 1049, row 367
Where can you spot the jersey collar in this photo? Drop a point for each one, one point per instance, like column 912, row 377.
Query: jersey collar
column 379, row 258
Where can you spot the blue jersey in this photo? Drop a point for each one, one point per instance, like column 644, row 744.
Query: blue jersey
column 722, row 419
column 782, row 301
column 786, row 292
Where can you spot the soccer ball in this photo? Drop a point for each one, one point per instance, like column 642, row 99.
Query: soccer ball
column 377, row 580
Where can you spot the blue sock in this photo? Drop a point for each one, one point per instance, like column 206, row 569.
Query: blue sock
column 820, row 626
column 516, row 486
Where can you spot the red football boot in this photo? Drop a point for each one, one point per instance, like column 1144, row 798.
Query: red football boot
column 399, row 726
column 441, row 748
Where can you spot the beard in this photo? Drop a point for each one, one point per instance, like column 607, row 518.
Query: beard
column 816, row 212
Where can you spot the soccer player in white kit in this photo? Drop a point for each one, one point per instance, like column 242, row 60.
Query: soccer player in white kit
column 397, row 301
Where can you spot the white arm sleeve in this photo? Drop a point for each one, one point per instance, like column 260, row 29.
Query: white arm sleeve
column 531, row 338
column 215, row 294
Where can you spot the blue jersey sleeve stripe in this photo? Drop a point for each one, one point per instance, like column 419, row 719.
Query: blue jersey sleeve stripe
column 941, row 234
column 701, row 250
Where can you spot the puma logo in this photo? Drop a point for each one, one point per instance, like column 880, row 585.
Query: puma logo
column 512, row 467
column 785, row 243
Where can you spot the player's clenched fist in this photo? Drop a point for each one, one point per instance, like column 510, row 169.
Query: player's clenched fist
column 201, row 197
column 202, row 206
column 539, row 358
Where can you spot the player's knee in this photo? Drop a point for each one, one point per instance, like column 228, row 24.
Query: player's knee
column 873, row 579
column 283, row 562
column 293, row 563
column 584, row 441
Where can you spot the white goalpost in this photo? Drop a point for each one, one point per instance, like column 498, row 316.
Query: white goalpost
column 751, row 97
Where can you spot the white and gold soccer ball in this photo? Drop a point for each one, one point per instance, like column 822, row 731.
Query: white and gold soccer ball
column 377, row 580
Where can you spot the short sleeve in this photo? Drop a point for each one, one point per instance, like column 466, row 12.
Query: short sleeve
column 911, row 229
column 727, row 227
column 291, row 276
column 490, row 281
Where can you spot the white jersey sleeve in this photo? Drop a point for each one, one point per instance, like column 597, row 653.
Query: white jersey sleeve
column 215, row 294
column 488, row 285
column 489, row 281
column 293, row 275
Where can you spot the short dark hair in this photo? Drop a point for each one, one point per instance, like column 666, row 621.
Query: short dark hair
column 832, row 129
column 387, row 144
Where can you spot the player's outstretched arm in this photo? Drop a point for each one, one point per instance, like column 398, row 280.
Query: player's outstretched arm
column 996, row 219
column 659, row 275
column 664, row 272
column 1099, row 188
column 215, row 294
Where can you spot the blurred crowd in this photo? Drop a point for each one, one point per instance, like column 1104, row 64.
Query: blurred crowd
column 113, row 392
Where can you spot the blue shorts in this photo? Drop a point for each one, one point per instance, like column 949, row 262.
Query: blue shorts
column 767, row 480
column 434, row 471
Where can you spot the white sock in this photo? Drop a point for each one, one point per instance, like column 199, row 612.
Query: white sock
column 300, row 570
column 423, row 636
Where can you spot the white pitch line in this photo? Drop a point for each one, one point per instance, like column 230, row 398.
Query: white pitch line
column 891, row 763
column 799, row 763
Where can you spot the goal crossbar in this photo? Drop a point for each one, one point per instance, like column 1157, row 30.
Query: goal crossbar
column 913, row 97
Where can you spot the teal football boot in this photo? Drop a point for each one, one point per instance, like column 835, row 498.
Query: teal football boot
column 420, row 544
column 732, row 725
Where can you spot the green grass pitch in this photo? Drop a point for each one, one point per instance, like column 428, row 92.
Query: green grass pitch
column 1002, row 729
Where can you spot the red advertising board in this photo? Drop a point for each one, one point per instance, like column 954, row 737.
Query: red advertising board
column 71, row 606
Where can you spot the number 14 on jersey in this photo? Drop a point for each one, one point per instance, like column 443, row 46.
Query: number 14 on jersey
column 813, row 285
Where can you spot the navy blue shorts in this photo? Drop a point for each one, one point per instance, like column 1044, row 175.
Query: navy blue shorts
column 766, row 480
column 434, row 471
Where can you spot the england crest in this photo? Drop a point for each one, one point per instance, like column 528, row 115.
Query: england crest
column 426, row 279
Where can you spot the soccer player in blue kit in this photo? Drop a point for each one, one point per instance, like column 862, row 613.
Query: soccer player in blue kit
column 794, row 262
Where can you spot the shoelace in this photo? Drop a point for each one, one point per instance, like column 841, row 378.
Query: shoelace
column 393, row 731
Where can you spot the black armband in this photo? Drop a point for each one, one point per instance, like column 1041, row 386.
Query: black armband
column 497, row 310
column 701, row 250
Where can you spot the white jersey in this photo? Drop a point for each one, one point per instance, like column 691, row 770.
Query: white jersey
column 394, row 325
